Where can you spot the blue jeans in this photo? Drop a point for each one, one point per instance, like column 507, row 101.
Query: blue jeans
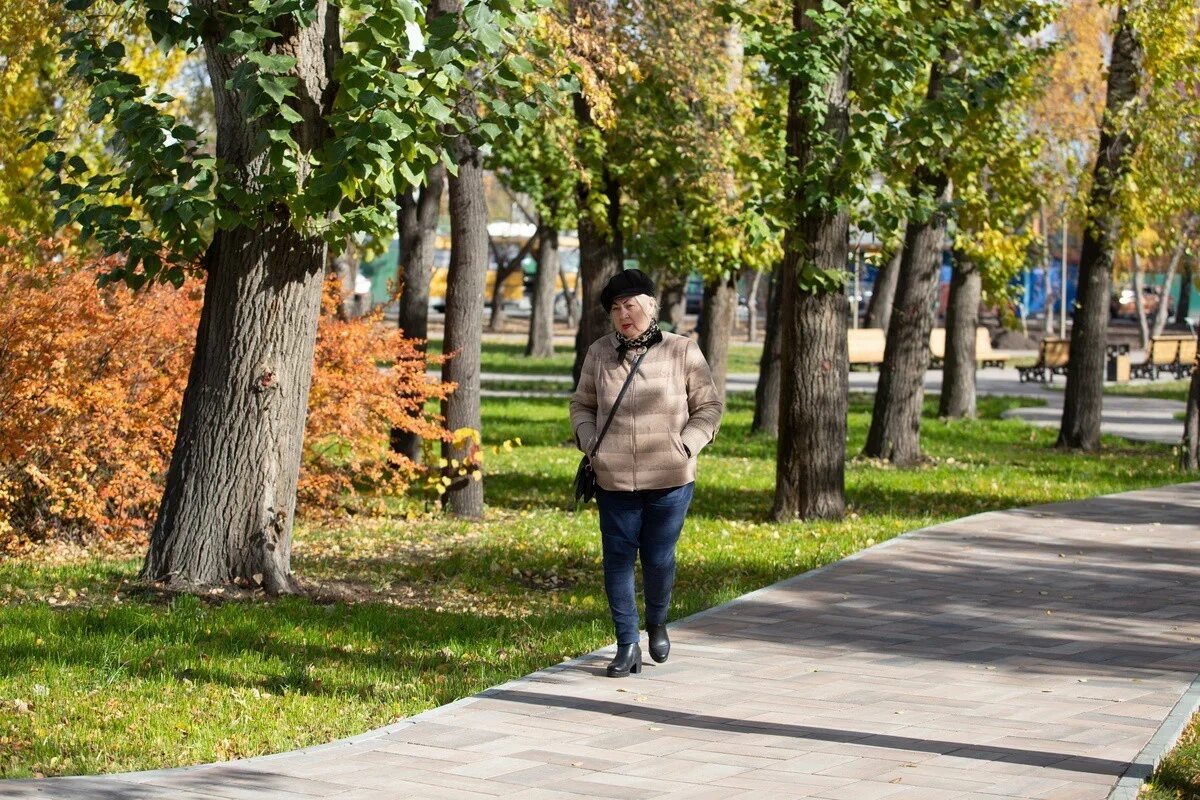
column 646, row 522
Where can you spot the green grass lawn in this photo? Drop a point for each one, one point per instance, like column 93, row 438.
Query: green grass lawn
column 97, row 675
column 510, row 357
column 1161, row 390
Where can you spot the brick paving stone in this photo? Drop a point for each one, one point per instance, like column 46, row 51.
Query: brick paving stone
column 1026, row 654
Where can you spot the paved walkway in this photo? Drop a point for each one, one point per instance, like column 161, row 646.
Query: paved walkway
column 1032, row 653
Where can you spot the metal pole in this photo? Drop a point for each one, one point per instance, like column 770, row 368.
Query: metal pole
column 1062, row 289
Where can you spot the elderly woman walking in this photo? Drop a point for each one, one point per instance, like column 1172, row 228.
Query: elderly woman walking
column 645, row 461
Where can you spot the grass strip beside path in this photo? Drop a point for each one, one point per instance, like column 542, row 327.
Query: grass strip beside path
column 98, row 676
column 1178, row 775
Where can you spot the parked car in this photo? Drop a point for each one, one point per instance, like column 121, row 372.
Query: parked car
column 1122, row 302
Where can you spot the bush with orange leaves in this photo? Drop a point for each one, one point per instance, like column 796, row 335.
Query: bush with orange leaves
column 91, row 382
column 367, row 379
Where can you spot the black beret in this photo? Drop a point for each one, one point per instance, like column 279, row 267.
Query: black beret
column 626, row 283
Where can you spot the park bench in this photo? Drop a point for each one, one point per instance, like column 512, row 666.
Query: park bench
column 865, row 346
column 1053, row 355
column 1185, row 362
column 1161, row 356
column 984, row 354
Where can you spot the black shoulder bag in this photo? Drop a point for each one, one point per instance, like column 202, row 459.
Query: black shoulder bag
column 585, row 478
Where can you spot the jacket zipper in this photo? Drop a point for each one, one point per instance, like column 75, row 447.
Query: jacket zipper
column 633, row 432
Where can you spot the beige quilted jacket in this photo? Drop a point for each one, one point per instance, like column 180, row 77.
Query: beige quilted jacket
column 670, row 412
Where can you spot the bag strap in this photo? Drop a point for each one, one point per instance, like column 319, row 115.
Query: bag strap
column 617, row 403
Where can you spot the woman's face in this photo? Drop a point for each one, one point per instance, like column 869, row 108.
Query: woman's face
column 629, row 317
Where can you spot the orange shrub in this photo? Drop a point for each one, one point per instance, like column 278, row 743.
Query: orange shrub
column 91, row 382
column 367, row 379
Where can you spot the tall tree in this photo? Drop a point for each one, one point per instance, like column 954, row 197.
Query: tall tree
column 883, row 294
column 984, row 54
column 465, row 280
column 1064, row 113
column 417, row 223
column 810, row 465
column 896, row 419
column 812, row 53
column 766, row 391
column 994, row 169
column 299, row 160
column 1080, row 428
column 597, row 187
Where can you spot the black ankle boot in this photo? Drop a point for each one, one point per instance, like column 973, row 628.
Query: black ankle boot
column 660, row 645
column 629, row 659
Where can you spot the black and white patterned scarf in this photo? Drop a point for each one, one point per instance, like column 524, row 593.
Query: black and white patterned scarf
column 647, row 338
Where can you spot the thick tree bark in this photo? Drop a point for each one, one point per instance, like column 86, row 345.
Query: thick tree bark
column 814, row 380
column 418, row 219
column 1082, row 403
column 962, row 318
column 752, row 306
column 1191, row 426
column 1139, row 306
column 766, row 393
column 672, row 303
column 1184, row 308
column 541, row 319
column 601, row 255
column 895, row 432
column 230, row 496
column 465, row 283
column 417, row 223
column 879, row 310
column 716, row 327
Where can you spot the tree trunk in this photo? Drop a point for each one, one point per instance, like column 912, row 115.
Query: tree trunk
column 601, row 255
column 1047, row 284
column 417, row 223
column 879, row 310
column 571, row 295
column 1164, row 301
column 1082, row 403
column 716, row 327
column 1184, row 308
column 766, row 393
column 418, row 219
column 229, row 502
column 1139, row 307
column 465, row 283
column 895, row 432
column 752, row 306
column 497, row 318
column 541, row 319
column 505, row 267
column 1191, row 425
column 814, row 380
column 672, row 304
column 962, row 318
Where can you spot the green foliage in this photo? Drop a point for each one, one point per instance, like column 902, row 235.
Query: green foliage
column 400, row 79
column 1162, row 190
